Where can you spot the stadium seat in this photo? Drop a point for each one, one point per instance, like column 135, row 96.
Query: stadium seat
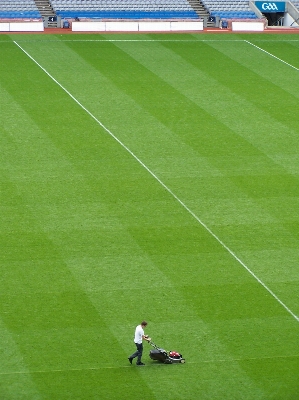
column 19, row 9
column 122, row 9
column 229, row 9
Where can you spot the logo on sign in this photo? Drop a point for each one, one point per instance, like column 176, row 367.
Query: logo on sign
column 269, row 7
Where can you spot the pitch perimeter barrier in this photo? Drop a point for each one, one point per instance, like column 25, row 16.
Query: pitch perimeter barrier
column 21, row 25
column 257, row 25
column 137, row 25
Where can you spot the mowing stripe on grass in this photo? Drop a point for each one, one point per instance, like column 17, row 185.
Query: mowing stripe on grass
column 164, row 186
column 272, row 55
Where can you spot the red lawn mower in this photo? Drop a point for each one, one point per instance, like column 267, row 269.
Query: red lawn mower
column 165, row 357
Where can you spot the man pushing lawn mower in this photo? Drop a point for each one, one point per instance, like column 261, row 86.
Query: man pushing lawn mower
column 139, row 337
column 166, row 357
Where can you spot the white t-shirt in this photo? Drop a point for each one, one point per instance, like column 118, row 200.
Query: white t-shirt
column 139, row 332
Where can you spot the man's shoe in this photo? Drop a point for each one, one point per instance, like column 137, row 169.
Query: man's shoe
column 140, row 363
column 130, row 359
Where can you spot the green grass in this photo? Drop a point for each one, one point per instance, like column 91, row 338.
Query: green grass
column 164, row 188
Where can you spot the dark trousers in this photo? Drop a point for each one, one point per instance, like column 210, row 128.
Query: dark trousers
column 138, row 352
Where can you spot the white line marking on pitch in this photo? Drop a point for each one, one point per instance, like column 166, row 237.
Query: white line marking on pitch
column 272, row 55
column 154, row 364
column 164, row 186
column 195, row 40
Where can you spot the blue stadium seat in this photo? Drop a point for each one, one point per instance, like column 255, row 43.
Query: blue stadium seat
column 127, row 14
column 135, row 9
column 18, row 9
column 229, row 9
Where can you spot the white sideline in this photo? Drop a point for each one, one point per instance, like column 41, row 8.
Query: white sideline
column 163, row 185
column 272, row 55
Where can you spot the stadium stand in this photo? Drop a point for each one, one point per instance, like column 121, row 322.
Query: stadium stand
column 124, row 9
column 229, row 9
column 18, row 9
column 296, row 4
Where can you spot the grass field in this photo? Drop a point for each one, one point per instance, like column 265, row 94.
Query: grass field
column 149, row 177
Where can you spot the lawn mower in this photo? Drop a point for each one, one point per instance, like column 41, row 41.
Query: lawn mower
column 166, row 357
